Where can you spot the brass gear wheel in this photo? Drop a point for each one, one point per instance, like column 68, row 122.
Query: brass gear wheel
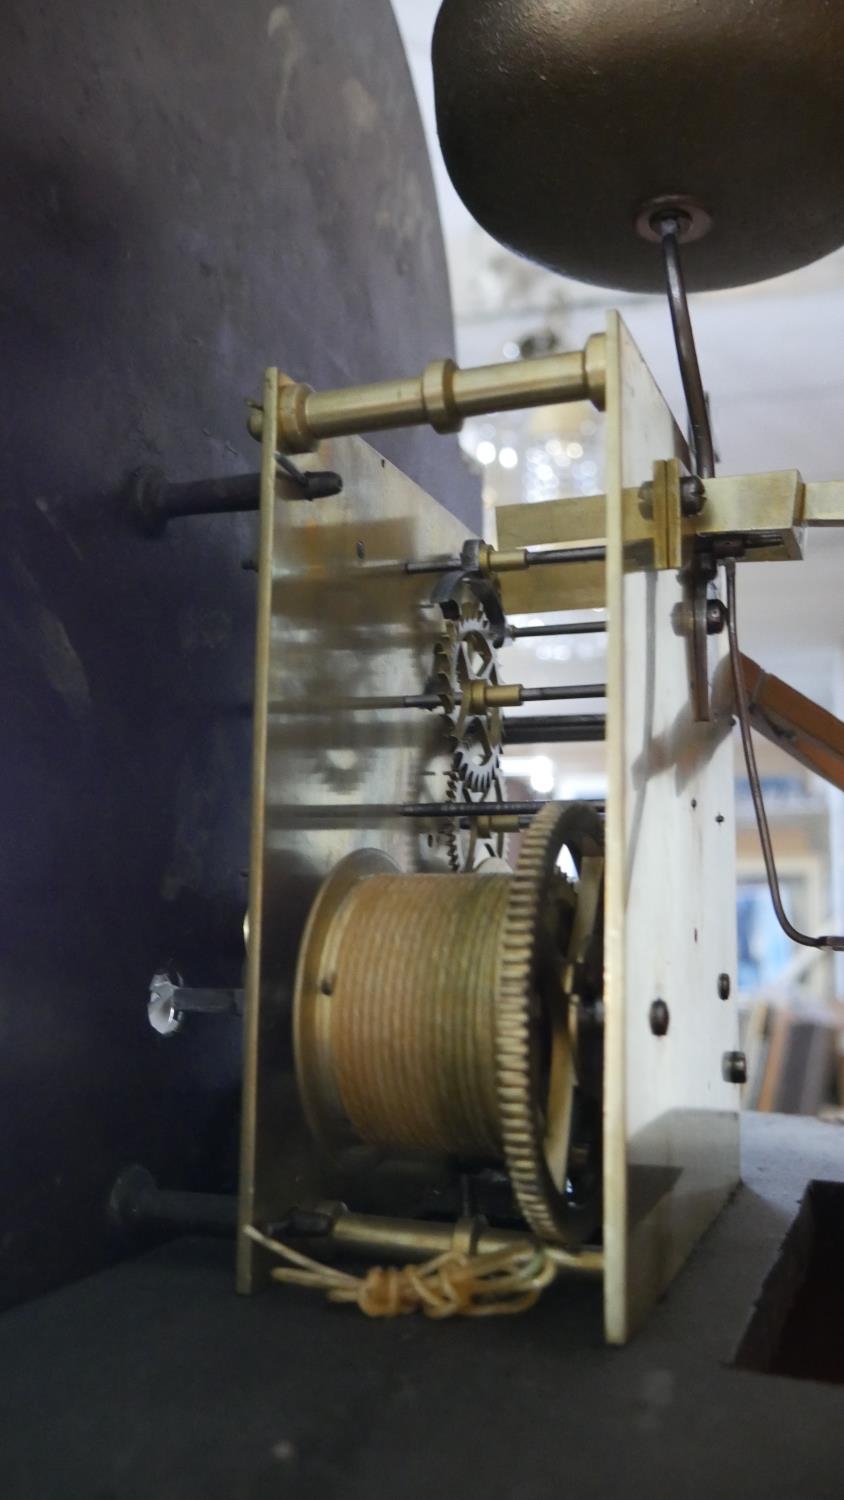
column 525, row 1106
column 448, row 847
column 463, row 655
column 466, row 848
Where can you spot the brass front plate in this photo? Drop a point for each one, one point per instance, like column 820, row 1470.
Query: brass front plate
column 671, row 1143
column 340, row 626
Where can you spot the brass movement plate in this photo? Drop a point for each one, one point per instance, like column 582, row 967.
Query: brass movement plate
column 671, row 1144
column 340, row 626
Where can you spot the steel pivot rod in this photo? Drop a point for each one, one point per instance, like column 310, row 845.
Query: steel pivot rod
column 467, row 810
column 574, row 627
column 670, row 228
column 508, row 695
column 554, row 729
column 743, row 709
column 513, row 561
column 571, row 690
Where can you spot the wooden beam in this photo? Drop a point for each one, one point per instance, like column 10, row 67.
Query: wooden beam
column 807, row 732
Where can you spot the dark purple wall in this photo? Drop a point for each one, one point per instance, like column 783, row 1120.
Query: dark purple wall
column 189, row 193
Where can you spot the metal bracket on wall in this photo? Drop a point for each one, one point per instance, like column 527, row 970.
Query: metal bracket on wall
column 153, row 500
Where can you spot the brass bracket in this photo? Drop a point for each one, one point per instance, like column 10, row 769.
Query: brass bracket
column 759, row 517
column 660, row 502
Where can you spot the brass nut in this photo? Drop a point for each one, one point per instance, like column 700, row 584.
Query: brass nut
column 692, row 219
column 506, row 562
column 659, row 1018
column 595, row 369
column 490, row 824
column 474, row 698
column 293, row 432
column 437, row 388
column 504, row 694
column 734, row 1067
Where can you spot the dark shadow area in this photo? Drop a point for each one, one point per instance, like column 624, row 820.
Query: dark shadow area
column 796, row 1325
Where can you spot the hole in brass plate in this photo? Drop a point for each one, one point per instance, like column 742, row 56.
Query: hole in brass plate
column 796, row 1325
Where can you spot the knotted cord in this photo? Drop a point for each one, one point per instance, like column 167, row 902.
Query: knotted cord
column 488, row 1284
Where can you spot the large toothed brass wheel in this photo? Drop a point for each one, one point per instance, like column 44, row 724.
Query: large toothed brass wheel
column 459, row 1016
column 548, row 967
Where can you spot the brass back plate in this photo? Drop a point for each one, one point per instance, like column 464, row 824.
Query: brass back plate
column 339, row 621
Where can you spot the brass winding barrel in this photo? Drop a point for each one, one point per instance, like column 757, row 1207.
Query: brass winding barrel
column 407, row 991
column 440, row 1014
